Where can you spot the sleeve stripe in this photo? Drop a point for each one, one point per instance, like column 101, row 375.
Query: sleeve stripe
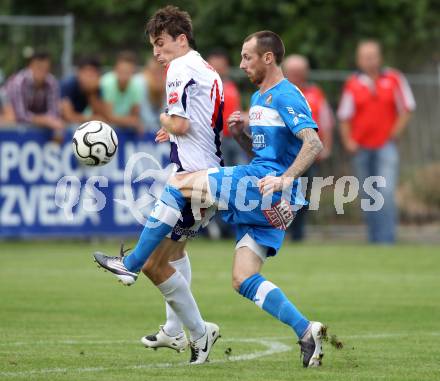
column 406, row 93
column 346, row 107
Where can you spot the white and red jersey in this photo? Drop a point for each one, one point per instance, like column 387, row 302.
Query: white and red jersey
column 373, row 106
column 195, row 92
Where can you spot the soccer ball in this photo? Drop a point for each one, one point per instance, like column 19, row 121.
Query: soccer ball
column 94, row 143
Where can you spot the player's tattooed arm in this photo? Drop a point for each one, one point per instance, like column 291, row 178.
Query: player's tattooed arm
column 310, row 149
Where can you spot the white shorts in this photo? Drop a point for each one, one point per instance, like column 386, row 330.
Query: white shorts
column 259, row 250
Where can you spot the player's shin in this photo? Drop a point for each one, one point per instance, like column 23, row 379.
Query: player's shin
column 178, row 295
column 271, row 299
column 173, row 325
column 165, row 214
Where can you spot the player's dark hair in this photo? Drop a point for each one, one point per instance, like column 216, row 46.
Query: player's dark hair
column 127, row 56
column 89, row 61
column 173, row 21
column 268, row 41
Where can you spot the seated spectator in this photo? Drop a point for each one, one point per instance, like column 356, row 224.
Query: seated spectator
column 7, row 115
column 34, row 94
column 122, row 93
column 81, row 99
column 152, row 82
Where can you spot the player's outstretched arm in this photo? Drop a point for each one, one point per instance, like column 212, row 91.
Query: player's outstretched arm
column 310, row 149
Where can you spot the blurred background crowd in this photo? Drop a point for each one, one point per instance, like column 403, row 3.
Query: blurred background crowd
column 351, row 73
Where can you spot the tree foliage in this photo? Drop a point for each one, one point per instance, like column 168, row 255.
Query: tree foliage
column 326, row 31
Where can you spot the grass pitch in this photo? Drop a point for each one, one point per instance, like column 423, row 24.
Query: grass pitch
column 63, row 319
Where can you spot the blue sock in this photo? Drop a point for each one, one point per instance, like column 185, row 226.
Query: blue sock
column 164, row 216
column 271, row 299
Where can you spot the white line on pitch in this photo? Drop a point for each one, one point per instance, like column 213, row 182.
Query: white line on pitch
column 271, row 348
column 287, row 337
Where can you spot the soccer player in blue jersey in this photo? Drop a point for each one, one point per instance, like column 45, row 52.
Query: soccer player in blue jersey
column 258, row 199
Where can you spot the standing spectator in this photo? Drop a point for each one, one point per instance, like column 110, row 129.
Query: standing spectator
column 152, row 83
column 122, row 93
column 81, row 99
column 375, row 108
column 34, row 94
column 296, row 69
column 7, row 115
column 232, row 153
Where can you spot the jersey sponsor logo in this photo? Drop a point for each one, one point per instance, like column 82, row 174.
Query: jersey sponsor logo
column 265, row 117
column 280, row 216
column 173, row 98
column 258, row 141
column 256, row 115
column 175, row 83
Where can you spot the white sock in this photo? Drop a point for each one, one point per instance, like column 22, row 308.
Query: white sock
column 178, row 295
column 173, row 325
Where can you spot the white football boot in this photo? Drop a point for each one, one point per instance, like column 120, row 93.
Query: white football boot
column 311, row 344
column 201, row 347
column 162, row 340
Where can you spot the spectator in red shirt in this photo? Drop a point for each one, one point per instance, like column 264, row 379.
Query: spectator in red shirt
column 232, row 153
column 34, row 94
column 375, row 108
column 296, row 70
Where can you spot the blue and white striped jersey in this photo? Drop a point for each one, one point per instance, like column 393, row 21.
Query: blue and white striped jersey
column 274, row 118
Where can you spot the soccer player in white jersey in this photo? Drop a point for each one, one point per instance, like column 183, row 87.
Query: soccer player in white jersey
column 192, row 123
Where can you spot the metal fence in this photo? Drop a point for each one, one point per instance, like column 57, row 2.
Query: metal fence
column 21, row 33
column 419, row 148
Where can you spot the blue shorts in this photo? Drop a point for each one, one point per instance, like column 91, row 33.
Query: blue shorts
column 236, row 194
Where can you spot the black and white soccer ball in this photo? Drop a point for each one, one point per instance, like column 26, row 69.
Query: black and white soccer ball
column 94, row 143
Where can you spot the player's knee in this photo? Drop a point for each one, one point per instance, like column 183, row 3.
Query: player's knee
column 237, row 280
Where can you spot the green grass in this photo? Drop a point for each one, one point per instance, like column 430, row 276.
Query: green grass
column 63, row 319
